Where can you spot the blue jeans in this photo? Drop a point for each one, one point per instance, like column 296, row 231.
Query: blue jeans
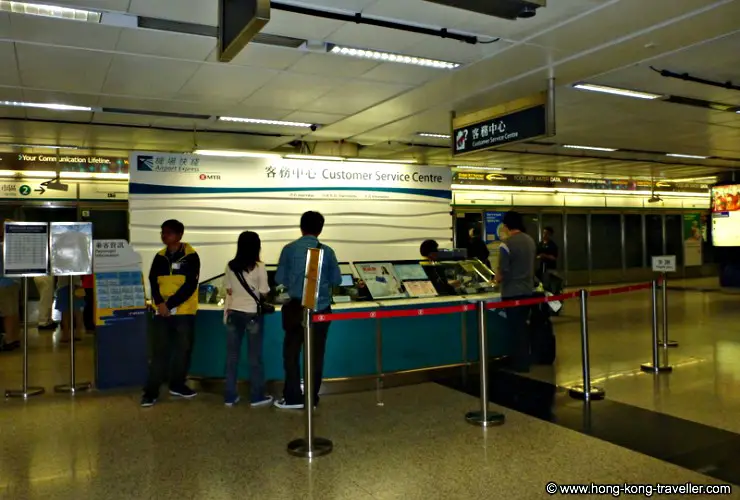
column 238, row 324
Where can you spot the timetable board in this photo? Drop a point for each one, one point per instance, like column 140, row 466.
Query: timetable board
column 26, row 249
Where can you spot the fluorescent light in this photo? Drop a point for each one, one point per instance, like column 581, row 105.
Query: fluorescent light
column 234, row 154
column 38, row 146
column 376, row 55
column 617, row 91
column 693, row 157
column 93, row 175
column 37, row 9
column 314, row 157
column 433, row 136
column 259, row 121
column 31, row 174
column 590, row 148
column 44, row 105
column 370, row 160
column 596, row 192
column 473, row 167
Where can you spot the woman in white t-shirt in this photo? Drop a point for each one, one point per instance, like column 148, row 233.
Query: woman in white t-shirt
column 242, row 313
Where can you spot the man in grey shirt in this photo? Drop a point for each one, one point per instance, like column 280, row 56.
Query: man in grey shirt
column 515, row 275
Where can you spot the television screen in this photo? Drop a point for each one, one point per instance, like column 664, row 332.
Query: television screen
column 726, row 216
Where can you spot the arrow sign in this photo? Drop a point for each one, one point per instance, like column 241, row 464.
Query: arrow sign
column 40, row 190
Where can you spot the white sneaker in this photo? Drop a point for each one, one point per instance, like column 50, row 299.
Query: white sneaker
column 283, row 405
column 266, row 401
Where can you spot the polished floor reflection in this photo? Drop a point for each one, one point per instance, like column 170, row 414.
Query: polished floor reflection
column 671, row 428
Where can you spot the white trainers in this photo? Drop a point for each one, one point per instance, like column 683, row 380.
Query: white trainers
column 283, row 405
column 266, row 401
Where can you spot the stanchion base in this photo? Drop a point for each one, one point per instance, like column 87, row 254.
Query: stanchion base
column 648, row 367
column 78, row 387
column 20, row 393
column 493, row 418
column 596, row 394
column 671, row 343
column 299, row 448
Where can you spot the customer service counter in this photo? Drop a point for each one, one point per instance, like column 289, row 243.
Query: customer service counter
column 368, row 347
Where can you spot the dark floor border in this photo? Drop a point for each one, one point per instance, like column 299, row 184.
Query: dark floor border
column 698, row 447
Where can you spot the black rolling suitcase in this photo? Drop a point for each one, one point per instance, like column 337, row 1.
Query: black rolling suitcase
column 542, row 335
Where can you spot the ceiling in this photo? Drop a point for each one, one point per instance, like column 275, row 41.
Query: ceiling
column 383, row 105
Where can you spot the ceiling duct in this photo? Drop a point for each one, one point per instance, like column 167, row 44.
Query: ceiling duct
column 505, row 9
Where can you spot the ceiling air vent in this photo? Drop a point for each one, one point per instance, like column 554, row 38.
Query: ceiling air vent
column 505, row 9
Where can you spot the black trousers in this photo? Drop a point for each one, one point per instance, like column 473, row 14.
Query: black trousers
column 292, row 346
column 171, row 348
column 516, row 320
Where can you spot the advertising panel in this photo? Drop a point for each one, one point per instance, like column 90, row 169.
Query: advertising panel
column 693, row 239
column 726, row 216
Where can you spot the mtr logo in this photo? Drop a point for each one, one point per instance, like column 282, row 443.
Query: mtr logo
column 210, row 177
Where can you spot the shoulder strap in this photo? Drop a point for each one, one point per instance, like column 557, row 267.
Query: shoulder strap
column 240, row 276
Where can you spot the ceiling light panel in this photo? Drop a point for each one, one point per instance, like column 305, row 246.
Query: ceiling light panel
column 259, row 121
column 616, row 91
column 37, row 9
column 590, row 148
column 433, row 135
column 377, row 55
column 44, row 105
column 693, row 157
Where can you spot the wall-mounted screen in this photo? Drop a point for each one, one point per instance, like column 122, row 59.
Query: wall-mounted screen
column 726, row 216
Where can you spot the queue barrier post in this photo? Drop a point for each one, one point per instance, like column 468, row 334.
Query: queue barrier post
column 25, row 392
column 73, row 387
column 664, row 292
column 483, row 417
column 586, row 391
column 310, row 446
column 655, row 366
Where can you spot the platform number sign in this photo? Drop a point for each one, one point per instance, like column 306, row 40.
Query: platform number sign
column 24, row 190
column 664, row 264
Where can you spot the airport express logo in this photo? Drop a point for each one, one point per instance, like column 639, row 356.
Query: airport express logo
column 174, row 165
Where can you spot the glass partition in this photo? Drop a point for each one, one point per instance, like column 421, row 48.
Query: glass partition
column 633, row 241
column 606, row 241
column 577, row 237
column 653, row 235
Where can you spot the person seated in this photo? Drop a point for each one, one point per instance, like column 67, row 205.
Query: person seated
column 429, row 249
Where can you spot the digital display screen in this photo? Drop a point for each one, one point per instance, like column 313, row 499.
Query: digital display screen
column 347, row 280
column 726, row 216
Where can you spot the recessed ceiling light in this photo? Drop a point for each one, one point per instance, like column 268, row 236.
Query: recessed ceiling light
column 391, row 57
column 39, row 146
column 43, row 105
column 314, row 157
column 259, row 121
column 234, row 154
column 590, row 148
column 433, row 135
column 473, row 167
column 616, row 91
column 371, row 160
column 693, row 157
column 37, row 9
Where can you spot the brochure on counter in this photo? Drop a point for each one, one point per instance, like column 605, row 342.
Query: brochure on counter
column 381, row 280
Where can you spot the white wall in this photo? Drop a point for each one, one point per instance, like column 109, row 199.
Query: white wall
column 357, row 227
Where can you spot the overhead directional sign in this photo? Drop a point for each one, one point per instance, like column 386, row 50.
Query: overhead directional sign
column 520, row 120
column 239, row 21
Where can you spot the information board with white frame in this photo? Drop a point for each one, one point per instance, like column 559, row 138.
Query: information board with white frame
column 71, row 248
column 26, row 249
column 664, row 264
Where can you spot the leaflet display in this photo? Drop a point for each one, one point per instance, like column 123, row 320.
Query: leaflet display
column 408, row 272
column 420, row 288
column 71, row 248
column 381, row 280
column 26, row 249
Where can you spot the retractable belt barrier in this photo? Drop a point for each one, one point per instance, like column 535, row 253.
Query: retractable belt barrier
column 505, row 304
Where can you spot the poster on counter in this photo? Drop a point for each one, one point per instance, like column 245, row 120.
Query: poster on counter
column 381, row 280
column 420, row 288
column 26, row 249
column 71, row 248
column 693, row 239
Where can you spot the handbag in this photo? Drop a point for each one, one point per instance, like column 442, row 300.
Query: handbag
column 262, row 306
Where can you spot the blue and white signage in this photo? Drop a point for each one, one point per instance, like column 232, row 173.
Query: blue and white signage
column 190, row 174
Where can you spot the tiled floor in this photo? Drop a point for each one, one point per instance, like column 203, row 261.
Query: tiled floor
column 417, row 446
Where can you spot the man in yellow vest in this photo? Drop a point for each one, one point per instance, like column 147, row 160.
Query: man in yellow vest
column 173, row 279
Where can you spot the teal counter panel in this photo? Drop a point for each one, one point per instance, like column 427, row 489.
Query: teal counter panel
column 499, row 341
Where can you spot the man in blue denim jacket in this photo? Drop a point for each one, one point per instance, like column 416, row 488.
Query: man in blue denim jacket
column 291, row 273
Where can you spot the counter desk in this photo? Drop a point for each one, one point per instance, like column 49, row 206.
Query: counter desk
column 363, row 347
